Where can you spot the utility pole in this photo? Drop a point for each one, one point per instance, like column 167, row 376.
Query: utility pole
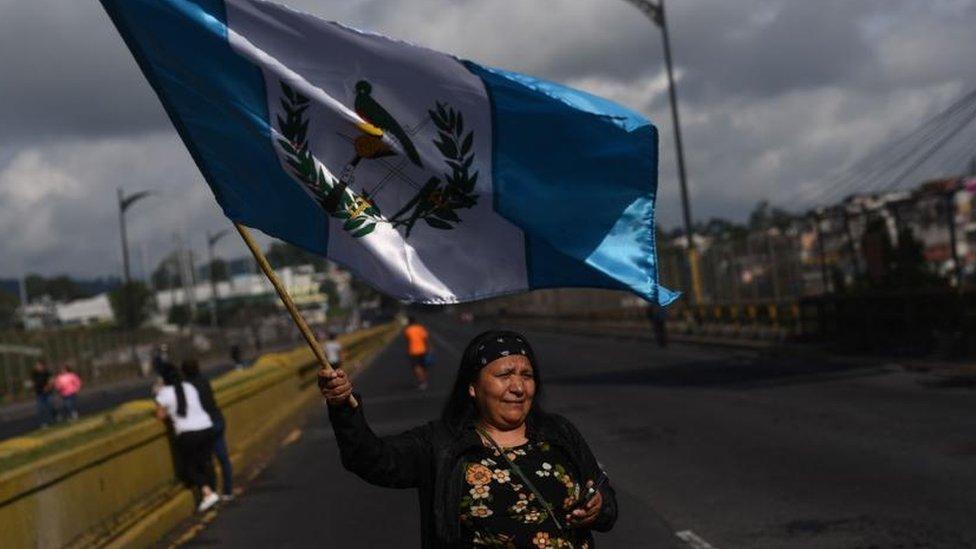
column 817, row 220
column 211, row 242
column 182, row 255
column 950, row 215
column 22, row 286
column 752, row 270
column 143, row 264
column 655, row 11
column 125, row 202
column 736, row 272
column 773, row 266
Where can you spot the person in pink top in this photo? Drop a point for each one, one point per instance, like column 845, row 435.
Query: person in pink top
column 68, row 384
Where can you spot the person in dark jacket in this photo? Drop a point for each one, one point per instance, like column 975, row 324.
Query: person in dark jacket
column 495, row 469
column 191, row 373
column 41, row 379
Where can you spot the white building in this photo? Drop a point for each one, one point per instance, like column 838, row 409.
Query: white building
column 301, row 282
column 90, row 310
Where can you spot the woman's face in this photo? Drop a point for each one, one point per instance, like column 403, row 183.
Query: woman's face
column 503, row 391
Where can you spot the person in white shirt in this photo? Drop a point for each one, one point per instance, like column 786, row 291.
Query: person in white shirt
column 195, row 436
column 333, row 351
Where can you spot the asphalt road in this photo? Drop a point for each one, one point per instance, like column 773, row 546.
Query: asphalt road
column 726, row 449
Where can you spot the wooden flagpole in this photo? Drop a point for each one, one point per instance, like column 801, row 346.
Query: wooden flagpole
column 286, row 299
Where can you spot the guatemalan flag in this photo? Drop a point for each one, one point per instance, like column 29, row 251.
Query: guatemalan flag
column 435, row 179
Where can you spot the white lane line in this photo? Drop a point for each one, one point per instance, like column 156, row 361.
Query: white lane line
column 693, row 540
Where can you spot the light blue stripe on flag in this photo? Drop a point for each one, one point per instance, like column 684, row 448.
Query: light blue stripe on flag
column 217, row 101
column 578, row 174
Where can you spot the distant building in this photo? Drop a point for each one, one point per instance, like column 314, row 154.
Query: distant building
column 302, row 283
column 92, row 310
column 39, row 314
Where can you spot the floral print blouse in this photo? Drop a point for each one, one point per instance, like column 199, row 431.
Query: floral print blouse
column 499, row 510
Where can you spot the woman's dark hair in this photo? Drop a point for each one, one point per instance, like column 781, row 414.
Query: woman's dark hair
column 190, row 368
column 172, row 377
column 460, row 409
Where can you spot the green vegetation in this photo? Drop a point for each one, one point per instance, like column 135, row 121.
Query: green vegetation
column 281, row 254
column 8, row 309
column 891, row 267
column 60, row 288
column 132, row 304
column 218, row 270
column 167, row 273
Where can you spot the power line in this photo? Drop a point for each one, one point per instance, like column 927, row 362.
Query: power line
column 885, row 161
column 925, row 152
column 932, row 150
column 878, row 166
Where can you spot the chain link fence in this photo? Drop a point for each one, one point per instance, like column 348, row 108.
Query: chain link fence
column 101, row 355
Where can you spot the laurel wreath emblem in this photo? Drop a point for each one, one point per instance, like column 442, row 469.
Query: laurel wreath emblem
column 360, row 213
column 439, row 199
column 436, row 202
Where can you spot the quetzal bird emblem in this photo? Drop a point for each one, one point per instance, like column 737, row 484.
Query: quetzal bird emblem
column 374, row 113
column 378, row 122
column 377, row 135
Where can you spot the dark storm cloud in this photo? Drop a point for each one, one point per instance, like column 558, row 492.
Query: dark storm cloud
column 769, row 48
column 65, row 74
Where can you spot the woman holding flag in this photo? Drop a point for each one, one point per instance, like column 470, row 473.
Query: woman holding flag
column 495, row 469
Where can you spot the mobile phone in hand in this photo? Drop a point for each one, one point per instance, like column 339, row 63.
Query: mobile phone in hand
column 592, row 491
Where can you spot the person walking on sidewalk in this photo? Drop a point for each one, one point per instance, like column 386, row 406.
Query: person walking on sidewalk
column 68, row 385
column 659, row 321
column 43, row 387
column 418, row 350
column 160, row 363
column 495, row 470
column 179, row 401
column 333, row 351
column 191, row 373
column 235, row 357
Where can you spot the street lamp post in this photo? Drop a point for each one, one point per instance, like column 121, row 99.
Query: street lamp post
column 655, row 11
column 211, row 242
column 125, row 202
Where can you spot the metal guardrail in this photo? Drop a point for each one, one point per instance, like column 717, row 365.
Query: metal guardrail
column 7, row 348
column 938, row 322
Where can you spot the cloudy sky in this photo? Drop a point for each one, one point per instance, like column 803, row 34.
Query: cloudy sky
column 775, row 95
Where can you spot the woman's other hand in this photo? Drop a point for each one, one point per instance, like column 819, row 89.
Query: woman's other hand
column 585, row 515
column 335, row 387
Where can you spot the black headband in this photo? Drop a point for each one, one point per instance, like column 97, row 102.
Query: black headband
column 500, row 346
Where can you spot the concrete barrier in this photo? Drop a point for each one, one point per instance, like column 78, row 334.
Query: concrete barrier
column 110, row 480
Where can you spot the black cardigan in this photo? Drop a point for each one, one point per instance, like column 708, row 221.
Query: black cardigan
column 430, row 459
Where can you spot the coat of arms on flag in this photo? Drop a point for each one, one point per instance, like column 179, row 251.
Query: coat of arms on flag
column 432, row 178
column 382, row 140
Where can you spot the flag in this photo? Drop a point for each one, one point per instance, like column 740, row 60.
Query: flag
column 434, row 179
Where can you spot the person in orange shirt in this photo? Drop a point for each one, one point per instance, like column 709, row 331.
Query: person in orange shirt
column 418, row 348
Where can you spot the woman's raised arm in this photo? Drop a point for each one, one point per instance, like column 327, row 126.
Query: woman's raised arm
column 396, row 461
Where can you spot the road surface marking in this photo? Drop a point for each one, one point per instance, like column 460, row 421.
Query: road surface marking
column 292, row 437
column 693, row 540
